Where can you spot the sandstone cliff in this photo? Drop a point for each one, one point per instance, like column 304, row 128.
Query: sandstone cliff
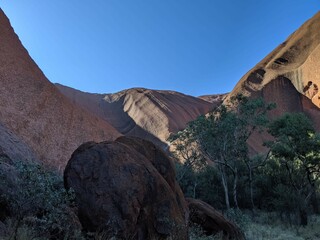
column 293, row 67
column 289, row 76
column 33, row 109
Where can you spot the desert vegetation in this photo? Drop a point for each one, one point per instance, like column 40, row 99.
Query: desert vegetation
column 281, row 183
column 34, row 203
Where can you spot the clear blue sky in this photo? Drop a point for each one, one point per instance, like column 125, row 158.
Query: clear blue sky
column 193, row 46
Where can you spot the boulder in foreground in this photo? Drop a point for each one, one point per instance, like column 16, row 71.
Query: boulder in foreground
column 127, row 188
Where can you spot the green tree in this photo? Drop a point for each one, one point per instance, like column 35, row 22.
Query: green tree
column 222, row 137
column 296, row 152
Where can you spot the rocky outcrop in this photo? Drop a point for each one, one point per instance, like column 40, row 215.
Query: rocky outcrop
column 145, row 113
column 289, row 75
column 34, row 110
column 215, row 99
column 297, row 59
column 211, row 221
column 128, row 189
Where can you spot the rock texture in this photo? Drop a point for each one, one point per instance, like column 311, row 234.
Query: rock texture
column 293, row 67
column 215, row 99
column 33, row 109
column 289, row 76
column 128, row 189
column 150, row 114
column 211, row 221
column 14, row 147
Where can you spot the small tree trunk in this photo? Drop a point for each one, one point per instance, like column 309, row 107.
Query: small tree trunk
column 194, row 189
column 235, row 182
column 225, row 186
column 251, row 188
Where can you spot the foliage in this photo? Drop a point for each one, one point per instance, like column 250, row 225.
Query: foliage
column 220, row 139
column 218, row 166
column 295, row 162
column 238, row 217
column 39, row 205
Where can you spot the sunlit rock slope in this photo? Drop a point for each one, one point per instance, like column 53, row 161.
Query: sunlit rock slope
column 150, row 114
column 34, row 110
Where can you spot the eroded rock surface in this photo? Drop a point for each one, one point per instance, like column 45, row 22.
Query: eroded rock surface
column 127, row 188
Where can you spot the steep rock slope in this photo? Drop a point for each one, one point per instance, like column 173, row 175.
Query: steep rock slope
column 289, row 76
column 296, row 62
column 140, row 112
column 33, row 109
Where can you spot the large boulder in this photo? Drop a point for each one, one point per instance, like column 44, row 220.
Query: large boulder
column 127, row 189
column 212, row 221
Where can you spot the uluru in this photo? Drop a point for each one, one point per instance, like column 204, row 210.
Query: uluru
column 289, row 75
column 32, row 107
column 123, row 120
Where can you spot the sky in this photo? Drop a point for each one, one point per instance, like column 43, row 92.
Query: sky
column 196, row 47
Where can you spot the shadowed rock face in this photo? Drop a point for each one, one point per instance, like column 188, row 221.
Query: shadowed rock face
column 150, row 114
column 127, row 188
column 211, row 221
column 33, row 109
column 14, row 147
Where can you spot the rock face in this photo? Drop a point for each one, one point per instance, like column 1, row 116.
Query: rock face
column 215, row 99
column 289, row 75
column 127, row 188
column 33, row 109
column 149, row 114
column 14, row 147
column 212, row 221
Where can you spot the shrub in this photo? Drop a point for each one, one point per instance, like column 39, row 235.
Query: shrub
column 39, row 205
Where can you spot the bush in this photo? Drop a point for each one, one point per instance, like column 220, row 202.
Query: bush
column 38, row 205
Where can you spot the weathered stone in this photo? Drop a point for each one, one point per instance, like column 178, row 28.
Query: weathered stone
column 128, row 189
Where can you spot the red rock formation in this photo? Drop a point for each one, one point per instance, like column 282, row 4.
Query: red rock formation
column 128, row 189
column 289, row 76
column 211, row 221
column 215, row 99
column 33, row 109
column 150, row 114
column 14, row 147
